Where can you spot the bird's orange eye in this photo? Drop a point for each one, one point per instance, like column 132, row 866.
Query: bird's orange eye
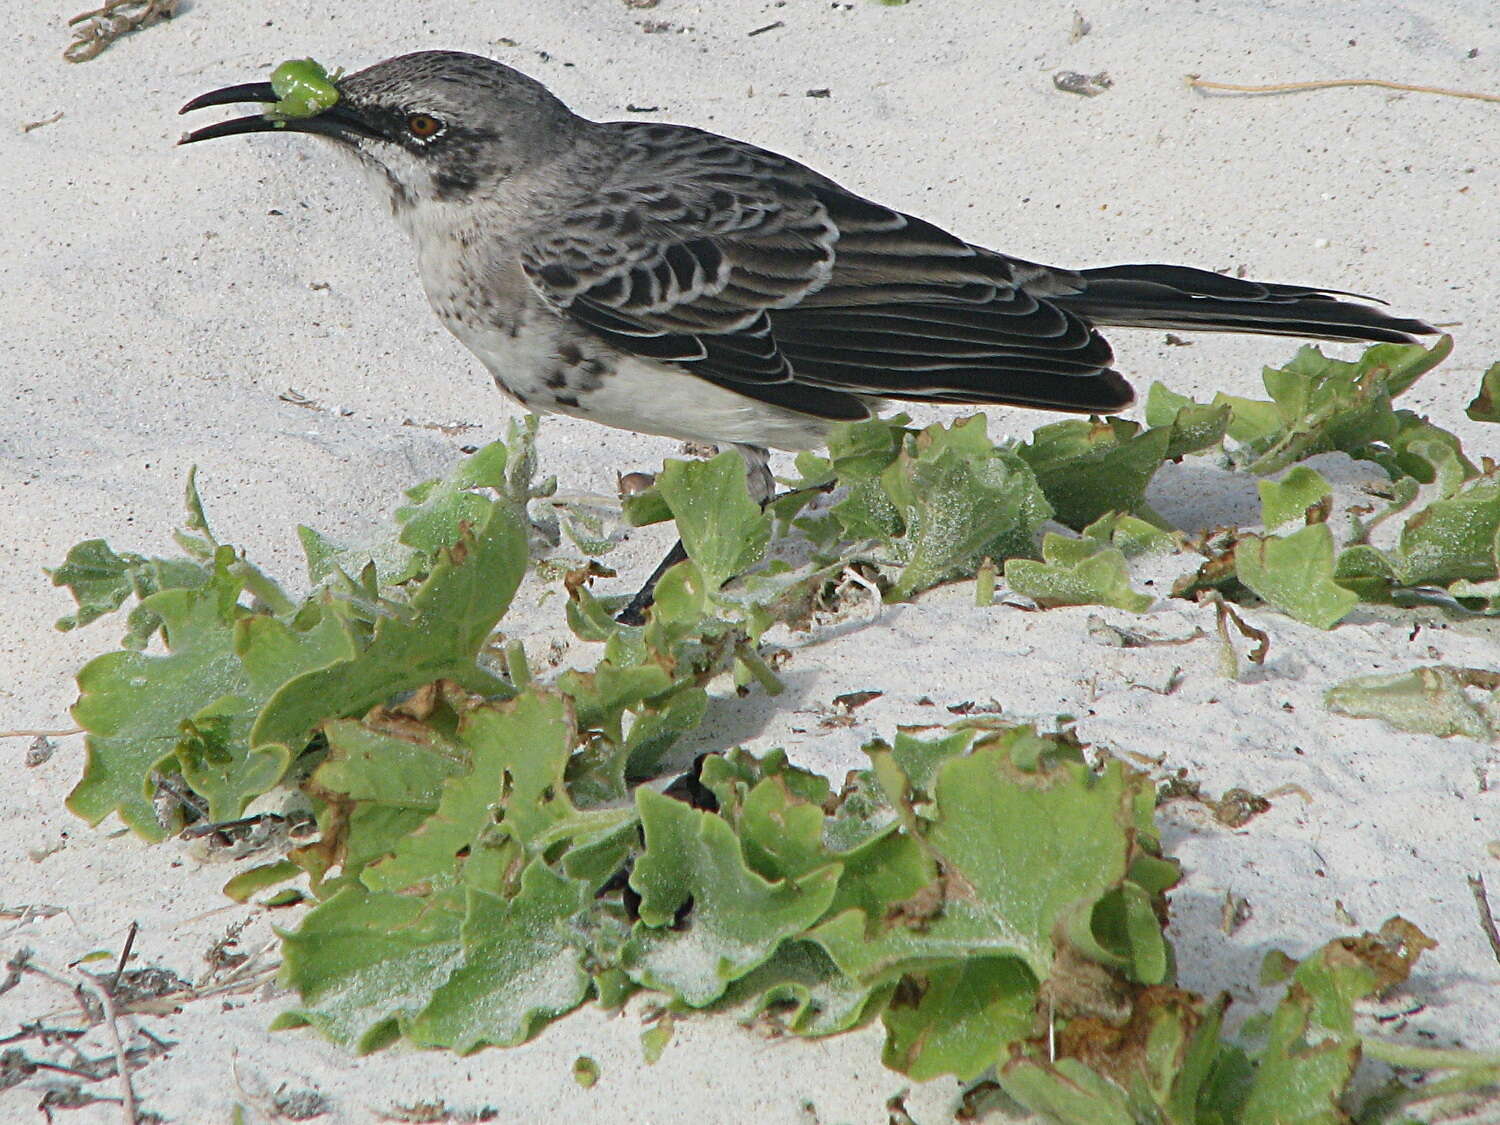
column 423, row 125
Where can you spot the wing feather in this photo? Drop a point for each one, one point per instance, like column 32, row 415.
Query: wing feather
column 756, row 273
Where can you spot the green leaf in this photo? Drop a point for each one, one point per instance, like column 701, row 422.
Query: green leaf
column 861, row 451
column 303, row 89
column 1406, row 363
column 1076, row 572
column 406, row 769
column 800, row 990
column 1198, row 428
column 660, row 708
column 513, row 790
column 522, row 964
column 1312, row 1046
column 1194, row 427
column 724, row 531
column 450, row 617
column 1321, row 404
column 434, row 519
column 1486, row 404
column 440, row 508
column 369, row 833
column 613, row 687
column 658, row 726
column 1088, row 469
column 1133, row 537
column 865, row 512
column 1295, row 574
column 950, row 1020
column 1426, row 700
column 733, row 775
column 655, row 1040
column 364, row 963
column 1287, row 500
column 781, row 833
column 191, row 708
column 920, row 759
column 736, row 919
column 101, row 580
column 1425, row 452
column 994, row 822
column 1252, row 422
column 645, row 508
column 599, row 858
column 216, row 761
column 959, row 500
column 248, row 882
column 219, row 756
column 994, row 868
column 1453, row 538
column 1158, row 1068
column 1164, row 404
column 1306, row 1064
column 1066, row 1091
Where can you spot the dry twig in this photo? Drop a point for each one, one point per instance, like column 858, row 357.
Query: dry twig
column 1332, row 83
column 122, row 1064
column 114, row 982
column 1486, row 915
column 53, row 120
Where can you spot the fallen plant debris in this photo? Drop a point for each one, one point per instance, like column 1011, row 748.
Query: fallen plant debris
column 1235, row 809
column 42, row 123
column 1426, row 700
column 1486, row 404
column 1198, row 83
column 95, row 30
column 1089, row 85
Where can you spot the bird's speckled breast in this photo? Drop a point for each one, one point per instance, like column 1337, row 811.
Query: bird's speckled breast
column 480, row 294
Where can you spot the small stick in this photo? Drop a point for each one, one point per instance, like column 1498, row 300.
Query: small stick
column 39, row 733
column 53, row 120
column 1486, row 916
column 1328, row 84
column 90, row 983
column 122, row 1064
column 114, row 982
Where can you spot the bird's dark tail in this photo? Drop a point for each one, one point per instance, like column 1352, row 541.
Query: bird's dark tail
column 1189, row 300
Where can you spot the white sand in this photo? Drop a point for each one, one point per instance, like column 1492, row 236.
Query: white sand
column 155, row 307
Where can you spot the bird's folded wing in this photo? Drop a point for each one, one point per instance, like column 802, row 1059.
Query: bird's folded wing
column 754, row 272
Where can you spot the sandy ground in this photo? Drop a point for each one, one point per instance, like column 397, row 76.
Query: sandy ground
column 158, row 303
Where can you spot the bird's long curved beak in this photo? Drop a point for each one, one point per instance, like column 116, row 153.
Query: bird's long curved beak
column 338, row 121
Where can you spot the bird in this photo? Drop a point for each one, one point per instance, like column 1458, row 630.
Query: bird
column 666, row 279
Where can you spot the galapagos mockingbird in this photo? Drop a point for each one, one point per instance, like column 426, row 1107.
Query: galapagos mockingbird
column 669, row 280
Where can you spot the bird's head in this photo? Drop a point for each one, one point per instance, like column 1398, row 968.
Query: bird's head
column 432, row 127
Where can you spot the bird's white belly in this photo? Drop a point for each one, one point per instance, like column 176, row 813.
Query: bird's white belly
column 656, row 398
column 526, row 361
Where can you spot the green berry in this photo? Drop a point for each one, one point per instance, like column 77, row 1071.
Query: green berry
column 304, row 87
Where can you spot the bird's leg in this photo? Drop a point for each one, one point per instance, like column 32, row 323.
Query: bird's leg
column 762, row 487
column 635, row 612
